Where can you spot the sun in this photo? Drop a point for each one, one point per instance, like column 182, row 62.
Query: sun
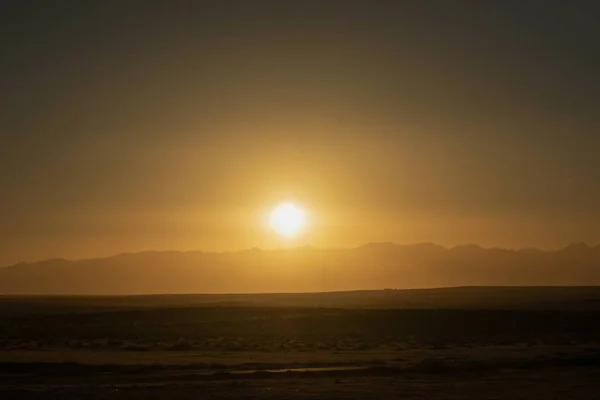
column 287, row 219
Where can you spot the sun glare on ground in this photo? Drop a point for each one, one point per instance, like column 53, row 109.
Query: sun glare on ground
column 287, row 219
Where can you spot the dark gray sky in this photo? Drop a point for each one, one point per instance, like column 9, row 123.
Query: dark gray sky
column 128, row 125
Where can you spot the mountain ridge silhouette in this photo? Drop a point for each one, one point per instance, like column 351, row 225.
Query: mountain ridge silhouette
column 374, row 265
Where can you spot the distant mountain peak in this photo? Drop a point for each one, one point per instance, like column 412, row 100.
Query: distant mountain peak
column 531, row 250
column 576, row 248
column 428, row 245
column 378, row 245
column 467, row 247
column 578, row 245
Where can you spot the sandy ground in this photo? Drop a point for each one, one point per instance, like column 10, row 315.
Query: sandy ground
column 109, row 357
column 196, row 353
column 514, row 372
column 545, row 383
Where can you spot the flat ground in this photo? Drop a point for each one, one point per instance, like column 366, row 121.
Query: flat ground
column 157, row 348
column 559, row 383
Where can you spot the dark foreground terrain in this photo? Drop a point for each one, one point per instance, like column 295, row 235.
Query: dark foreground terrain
column 484, row 344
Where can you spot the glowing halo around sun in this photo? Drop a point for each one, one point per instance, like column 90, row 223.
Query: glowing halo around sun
column 287, row 220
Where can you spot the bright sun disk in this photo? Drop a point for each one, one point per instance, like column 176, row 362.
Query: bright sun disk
column 287, row 219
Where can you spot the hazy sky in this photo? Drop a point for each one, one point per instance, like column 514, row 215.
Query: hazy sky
column 129, row 125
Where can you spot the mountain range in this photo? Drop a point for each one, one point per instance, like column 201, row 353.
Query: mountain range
column 305, row 269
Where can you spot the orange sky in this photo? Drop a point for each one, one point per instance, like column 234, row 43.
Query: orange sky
column 177, row 126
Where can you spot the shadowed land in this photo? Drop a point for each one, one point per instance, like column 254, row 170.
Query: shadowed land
column 462, row 342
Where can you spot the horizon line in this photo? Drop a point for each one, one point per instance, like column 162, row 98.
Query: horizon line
column 306, row 246
column 309, row 292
